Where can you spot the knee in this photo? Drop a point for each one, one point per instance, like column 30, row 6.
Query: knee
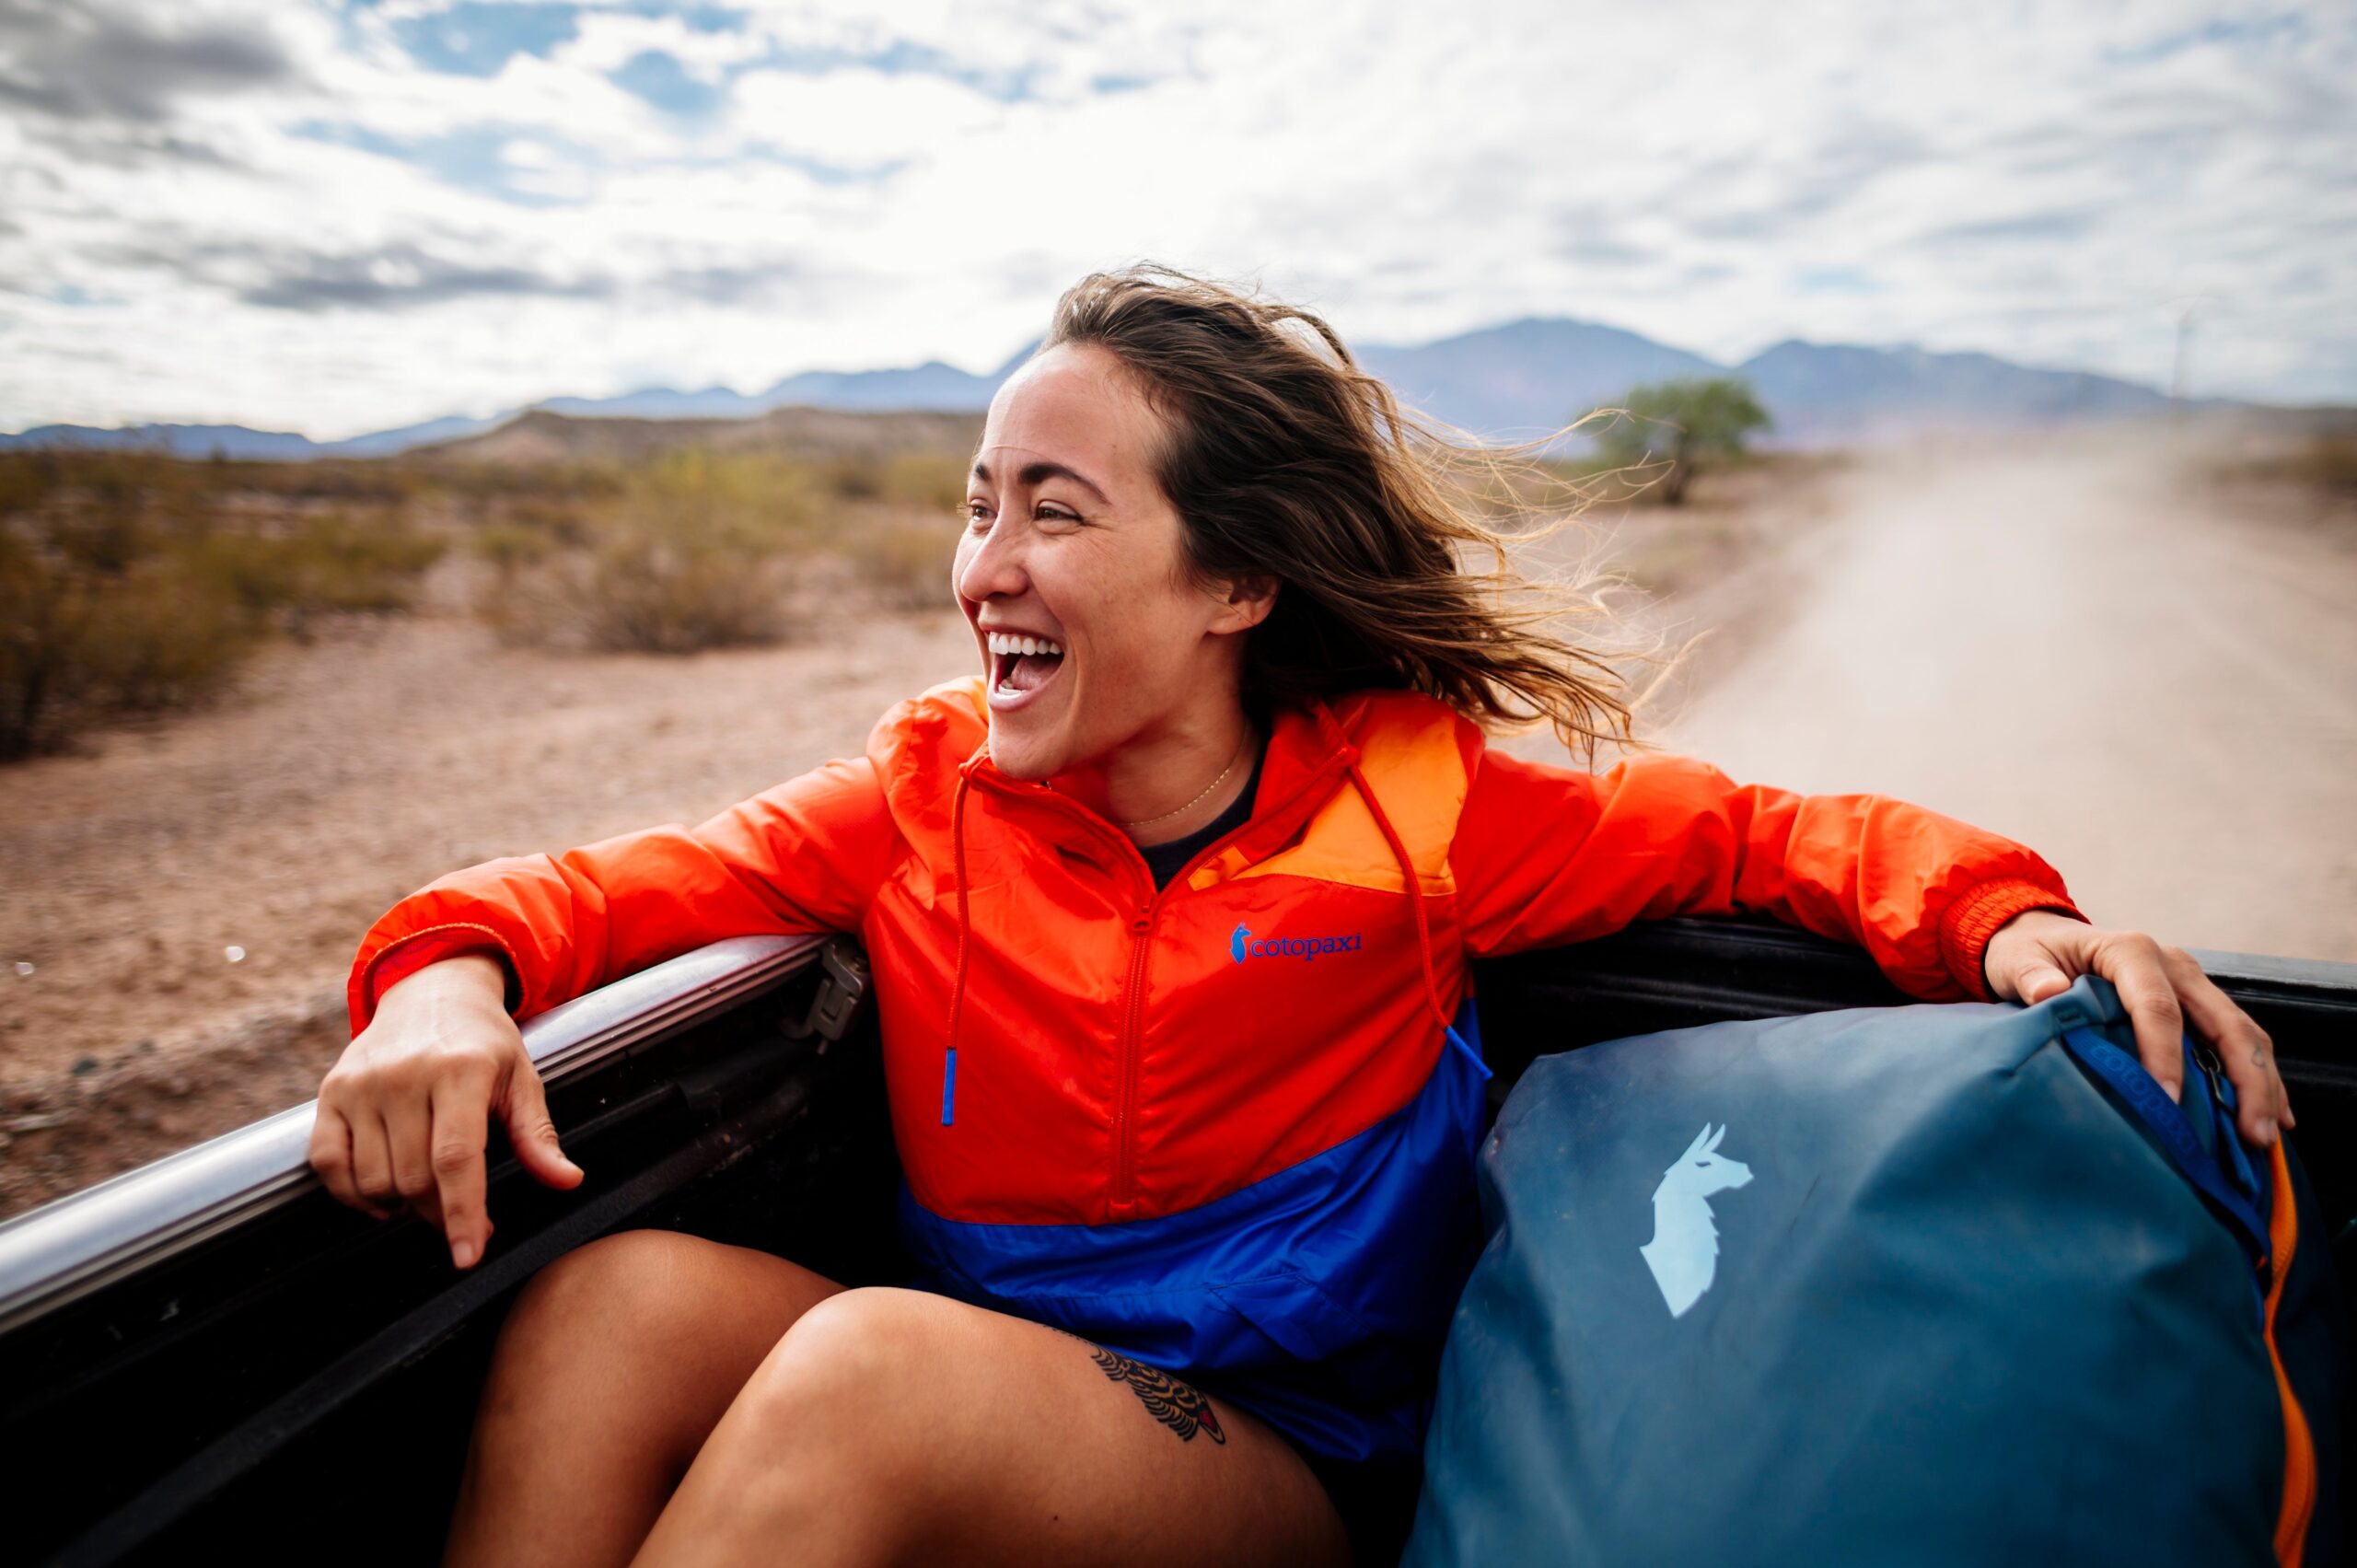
column 629, row 1288
column 855, row 1379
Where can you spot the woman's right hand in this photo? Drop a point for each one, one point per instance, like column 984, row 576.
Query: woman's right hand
column 404, row 1114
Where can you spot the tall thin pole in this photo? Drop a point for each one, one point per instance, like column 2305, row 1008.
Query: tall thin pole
column 2184, row 352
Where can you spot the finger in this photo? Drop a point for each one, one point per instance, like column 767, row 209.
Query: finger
column 2036, row 986
column 409, row 1133
column 531, row 1132
column 2242, row 1049
column 329, row 1153
column 372, row 1166
column 2150, row 999
column 462, row 1128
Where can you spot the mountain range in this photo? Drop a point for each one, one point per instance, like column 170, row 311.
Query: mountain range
column 1518, row 380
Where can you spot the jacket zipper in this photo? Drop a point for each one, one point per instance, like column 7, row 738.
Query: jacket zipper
column 1129, row 1049
column 1125, row 1154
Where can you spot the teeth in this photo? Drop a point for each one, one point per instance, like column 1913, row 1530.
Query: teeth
column 1007, row 642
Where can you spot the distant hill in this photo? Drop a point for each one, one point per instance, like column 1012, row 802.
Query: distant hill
column 542, row 435
column 243, row 444
column 180, row 440
column 1526, row 378
column 1510, row 382
column 1825, row 394
column 932, row 384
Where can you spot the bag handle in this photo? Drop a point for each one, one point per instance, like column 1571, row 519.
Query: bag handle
column 2170, row 1128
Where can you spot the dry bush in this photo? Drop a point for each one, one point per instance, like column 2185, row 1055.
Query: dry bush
column 125, row 588
column 164, row 644
column 79, row 645
column 930, row 481
column 648, row 594
column 694, row 550
column 903, row 558
column 320, row 565
column 2328, row 461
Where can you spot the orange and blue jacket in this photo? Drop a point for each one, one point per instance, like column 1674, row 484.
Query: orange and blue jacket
column 1228, row 1127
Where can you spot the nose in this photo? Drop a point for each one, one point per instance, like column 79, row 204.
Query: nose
column 990, row 566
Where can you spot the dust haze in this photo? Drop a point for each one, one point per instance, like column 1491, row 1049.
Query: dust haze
column 2103, row 645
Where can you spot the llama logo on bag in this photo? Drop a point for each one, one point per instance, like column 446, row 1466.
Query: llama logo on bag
column 1683, row 1252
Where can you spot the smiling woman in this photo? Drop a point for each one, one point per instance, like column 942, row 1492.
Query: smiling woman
column 1236, row 676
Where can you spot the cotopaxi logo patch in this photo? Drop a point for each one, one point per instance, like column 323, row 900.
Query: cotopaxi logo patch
column 1243, row 944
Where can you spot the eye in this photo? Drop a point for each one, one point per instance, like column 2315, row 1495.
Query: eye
column 1057, row 515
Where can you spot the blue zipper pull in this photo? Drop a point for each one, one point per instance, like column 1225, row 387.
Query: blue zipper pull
column 948, row 1086
column 1469, row 1054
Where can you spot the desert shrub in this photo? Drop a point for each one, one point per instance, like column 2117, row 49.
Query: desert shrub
column 904, row 558
column 78, row 645
column 2328, row 461
column 509, row 547
column 641, row 590
column 27, row 479
column 852, row 478
column 44, row 624
column 132, row 582
column 934, row 481
column 645, row 592
column 694, row 550
column 755, row 501
column 163, row 643
column 325, row 563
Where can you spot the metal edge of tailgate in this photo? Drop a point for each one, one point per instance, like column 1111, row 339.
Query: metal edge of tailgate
column 80, row 1243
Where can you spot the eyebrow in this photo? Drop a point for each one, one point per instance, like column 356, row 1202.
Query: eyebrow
column 1032, row 474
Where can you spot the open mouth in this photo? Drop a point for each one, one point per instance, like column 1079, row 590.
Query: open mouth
column 1020, row 666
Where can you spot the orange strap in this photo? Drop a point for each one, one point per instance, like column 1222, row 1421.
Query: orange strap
column 2299, row 1448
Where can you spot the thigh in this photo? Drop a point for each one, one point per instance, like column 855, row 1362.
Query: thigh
column 896, row 1425
column 611, row 1370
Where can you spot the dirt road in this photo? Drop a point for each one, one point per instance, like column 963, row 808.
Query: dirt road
column 2091, row 647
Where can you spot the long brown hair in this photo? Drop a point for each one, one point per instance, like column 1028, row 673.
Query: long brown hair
column 1284, row 460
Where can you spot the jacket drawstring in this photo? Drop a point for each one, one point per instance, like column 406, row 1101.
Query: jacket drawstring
column 957, row 982
column 1415, row 888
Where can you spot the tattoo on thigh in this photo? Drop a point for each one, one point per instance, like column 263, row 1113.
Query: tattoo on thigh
column 1178, row 1406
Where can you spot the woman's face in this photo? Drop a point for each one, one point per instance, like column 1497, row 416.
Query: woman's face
column 1071, row 544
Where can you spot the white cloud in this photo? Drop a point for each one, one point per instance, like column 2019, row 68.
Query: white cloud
column 356, row 240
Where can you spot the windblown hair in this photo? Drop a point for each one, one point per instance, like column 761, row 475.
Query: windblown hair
column 1285, row 460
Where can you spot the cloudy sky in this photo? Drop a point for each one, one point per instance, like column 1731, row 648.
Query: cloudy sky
column 341, row 217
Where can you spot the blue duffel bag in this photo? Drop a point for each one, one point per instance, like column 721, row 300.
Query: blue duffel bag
column 1923, row 1285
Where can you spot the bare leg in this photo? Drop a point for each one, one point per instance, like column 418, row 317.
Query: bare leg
column 616, row 1362
column 895, row 1426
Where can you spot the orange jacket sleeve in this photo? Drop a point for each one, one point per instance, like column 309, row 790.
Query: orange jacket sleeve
column 1547, row 855
column 807, row 855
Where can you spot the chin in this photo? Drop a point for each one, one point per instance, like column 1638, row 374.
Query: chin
column 1024, row 758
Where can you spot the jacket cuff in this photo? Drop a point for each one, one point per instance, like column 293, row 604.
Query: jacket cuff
column 404, row 958
column 1971, row 920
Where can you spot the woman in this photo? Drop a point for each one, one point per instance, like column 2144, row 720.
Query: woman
column 1170, row 913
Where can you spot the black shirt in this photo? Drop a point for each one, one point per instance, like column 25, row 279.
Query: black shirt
column 1167, row 861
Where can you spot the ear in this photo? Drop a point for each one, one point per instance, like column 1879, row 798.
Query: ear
column 1695, row 1149
column 1711, row 1147
column 1244, row 603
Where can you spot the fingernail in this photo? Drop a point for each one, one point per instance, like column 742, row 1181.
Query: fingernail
column 462, row 1253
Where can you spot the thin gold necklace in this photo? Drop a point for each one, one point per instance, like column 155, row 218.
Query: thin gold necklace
column 1164, row 817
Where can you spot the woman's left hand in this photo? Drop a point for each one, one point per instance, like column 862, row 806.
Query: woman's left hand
column 2039, row 952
